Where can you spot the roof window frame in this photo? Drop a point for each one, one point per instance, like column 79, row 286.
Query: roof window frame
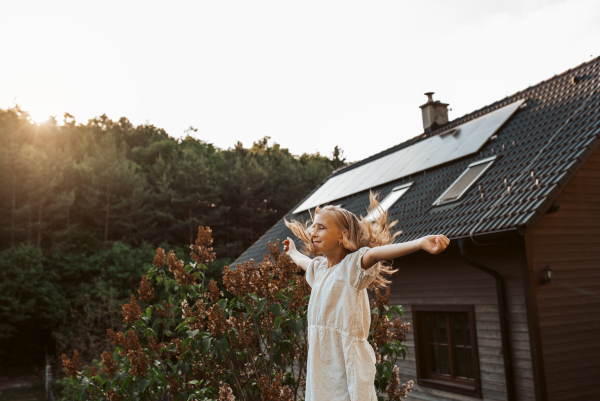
column 489, row 160
column 371, row 217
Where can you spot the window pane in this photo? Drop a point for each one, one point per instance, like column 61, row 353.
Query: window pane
column 445, row 360
column 457, row 330
column 430, row 322
column 387, row 202
column 464, row 181
column 441, row 320
column 467, row 332
column 435, row 358
column 461, row 363
column 469, row 358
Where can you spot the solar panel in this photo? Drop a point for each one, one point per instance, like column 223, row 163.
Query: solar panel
column 458, row 142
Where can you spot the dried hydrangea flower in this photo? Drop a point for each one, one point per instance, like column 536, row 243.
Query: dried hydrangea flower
column 72, row 366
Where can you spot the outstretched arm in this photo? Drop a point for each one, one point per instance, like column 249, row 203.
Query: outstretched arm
column 433, row 244
column 300, row 259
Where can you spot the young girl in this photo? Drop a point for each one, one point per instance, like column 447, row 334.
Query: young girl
column 351, row 254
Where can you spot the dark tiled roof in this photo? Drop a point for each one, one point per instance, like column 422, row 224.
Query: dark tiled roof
column 558, row 127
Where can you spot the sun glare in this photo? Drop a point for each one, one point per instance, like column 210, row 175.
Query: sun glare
column 39, row 116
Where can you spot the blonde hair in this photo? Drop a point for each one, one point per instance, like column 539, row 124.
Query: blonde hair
column 356, row 233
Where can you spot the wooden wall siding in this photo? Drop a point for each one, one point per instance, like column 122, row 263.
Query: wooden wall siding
column 569, row 307
column 446, row 279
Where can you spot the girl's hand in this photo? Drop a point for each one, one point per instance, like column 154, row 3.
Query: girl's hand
column 434, row 244
column 288, row 246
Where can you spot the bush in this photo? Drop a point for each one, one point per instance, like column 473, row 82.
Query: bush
column 197, row 345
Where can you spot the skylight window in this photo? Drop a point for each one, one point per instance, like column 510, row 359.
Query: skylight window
column 465, row 181
column 388, row 201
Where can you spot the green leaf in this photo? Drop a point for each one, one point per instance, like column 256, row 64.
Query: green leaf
column 206, row 342
column 277, row 321
column 192, row 333
column 277, row 334
column 84, row 384
column 306, row 297
column 397, row 309
column 149, row 311
column 127, row 382
column 223, row 344
column 261, row 305
column 296, row 326
column 253, row 296
column 144, row 384
column 281, row 296
column 276, row 309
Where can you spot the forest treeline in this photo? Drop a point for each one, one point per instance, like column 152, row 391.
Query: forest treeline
column 82, row 207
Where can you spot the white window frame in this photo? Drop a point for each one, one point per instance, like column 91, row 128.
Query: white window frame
column 371, row 216
column 489, row 160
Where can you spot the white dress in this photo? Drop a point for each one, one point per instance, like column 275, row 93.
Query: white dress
column 341, row 363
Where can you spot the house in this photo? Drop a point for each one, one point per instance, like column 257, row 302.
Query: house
column 511, row 310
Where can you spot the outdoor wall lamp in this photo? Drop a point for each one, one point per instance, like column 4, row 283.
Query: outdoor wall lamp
column 546, row 275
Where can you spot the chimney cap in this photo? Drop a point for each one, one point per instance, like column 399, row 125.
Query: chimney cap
column 431, row 101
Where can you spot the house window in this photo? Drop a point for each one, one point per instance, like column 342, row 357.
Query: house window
column 465, row 181
column 446, row 348
column 388, row 201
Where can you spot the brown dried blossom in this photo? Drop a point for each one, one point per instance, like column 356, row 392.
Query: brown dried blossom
column 110, row 367
column 131, row 311
column 129, row 343
column 173, row 385
column 382, row 300
column 164, row 311
column 146, row 291
column 225, row 392
column 298, row 300
column 202, row 247
column 216, row 323
column 274, row 391
column 210, row 374
column 197, row 316
column 394, row 390
column 113, row 396
column 213, row 291
column 245, row 328
column 138, row 361
column 72, row 366
column 159, row 258
column 203, row 374
column 176, row 266
column 155, row 346
column 401, row 330
column 178, row 347
column 380, row 331
column 276, row 272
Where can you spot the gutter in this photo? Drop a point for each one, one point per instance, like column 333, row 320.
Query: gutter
column 503, row 313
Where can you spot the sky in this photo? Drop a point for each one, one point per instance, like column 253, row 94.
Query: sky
column 309, row 74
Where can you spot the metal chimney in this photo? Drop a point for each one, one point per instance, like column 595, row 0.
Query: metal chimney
column 435, row 114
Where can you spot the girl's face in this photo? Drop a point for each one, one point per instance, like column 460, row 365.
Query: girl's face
column 326, row 235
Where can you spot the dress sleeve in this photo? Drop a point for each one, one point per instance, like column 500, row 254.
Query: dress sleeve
column 311, row 270
column 358, row 277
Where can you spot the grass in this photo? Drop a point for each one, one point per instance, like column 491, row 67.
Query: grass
column 34, row 392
